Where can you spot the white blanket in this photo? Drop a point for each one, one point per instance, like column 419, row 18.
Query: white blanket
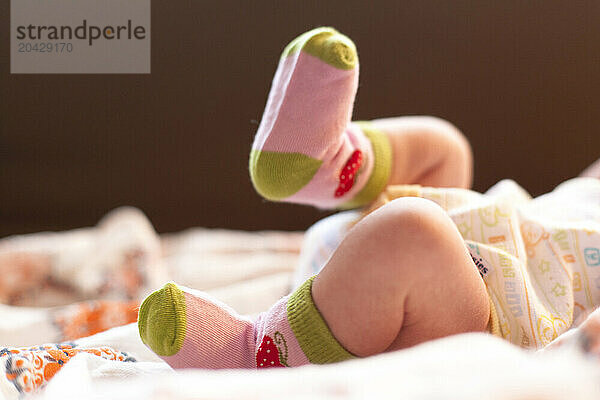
column 471, row 366
column 250, row 271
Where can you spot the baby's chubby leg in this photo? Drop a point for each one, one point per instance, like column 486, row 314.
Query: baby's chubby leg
column 307, row 150
column 400, row 277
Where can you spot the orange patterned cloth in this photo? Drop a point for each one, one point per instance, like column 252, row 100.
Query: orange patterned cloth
column 29, row 368
column 91, row 317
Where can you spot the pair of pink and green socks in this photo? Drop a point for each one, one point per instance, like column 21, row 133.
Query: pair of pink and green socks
column 306, row 151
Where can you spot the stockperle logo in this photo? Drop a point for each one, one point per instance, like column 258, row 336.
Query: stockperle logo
column 83, row 36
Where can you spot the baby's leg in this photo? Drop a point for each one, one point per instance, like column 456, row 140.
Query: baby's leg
column 427, row 151
column 307, row 151
column 401, row 276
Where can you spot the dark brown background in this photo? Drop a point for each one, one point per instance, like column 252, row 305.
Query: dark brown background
column 521, row 79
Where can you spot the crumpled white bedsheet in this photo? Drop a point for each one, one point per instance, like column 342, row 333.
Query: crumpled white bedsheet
column 250, row 271
column 470, row 366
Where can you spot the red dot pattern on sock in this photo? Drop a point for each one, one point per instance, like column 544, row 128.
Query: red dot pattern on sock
column 348, row 173
column 267, row 355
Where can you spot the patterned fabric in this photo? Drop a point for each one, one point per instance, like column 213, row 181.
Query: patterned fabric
column 30, row 368
column 91, row 317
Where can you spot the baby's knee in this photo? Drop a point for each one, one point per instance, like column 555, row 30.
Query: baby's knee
column 416, row 237
column 410, row 219
column 442, row 128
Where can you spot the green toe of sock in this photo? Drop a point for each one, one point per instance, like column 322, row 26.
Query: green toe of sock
column 162, row 321
column 328, row 45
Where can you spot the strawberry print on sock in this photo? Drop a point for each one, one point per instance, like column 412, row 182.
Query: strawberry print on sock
column 348, row 173
column 272, row 353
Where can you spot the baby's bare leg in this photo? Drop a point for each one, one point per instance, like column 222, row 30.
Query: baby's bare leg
column 401, row 276
column 427, row 151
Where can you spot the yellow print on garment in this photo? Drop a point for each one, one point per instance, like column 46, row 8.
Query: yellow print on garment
column 539, row 258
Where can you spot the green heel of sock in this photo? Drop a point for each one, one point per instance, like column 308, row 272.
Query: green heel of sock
column 276, row 176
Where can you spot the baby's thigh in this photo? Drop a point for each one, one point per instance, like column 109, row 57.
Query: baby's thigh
column 403, row 271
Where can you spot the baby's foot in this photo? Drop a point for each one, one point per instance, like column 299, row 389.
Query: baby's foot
column 188, row 329
column 306, row 150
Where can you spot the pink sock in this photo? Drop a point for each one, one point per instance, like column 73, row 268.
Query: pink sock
column 306, row 150
column 189, row 329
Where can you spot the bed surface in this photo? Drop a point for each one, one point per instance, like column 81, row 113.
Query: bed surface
column 249, row 271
